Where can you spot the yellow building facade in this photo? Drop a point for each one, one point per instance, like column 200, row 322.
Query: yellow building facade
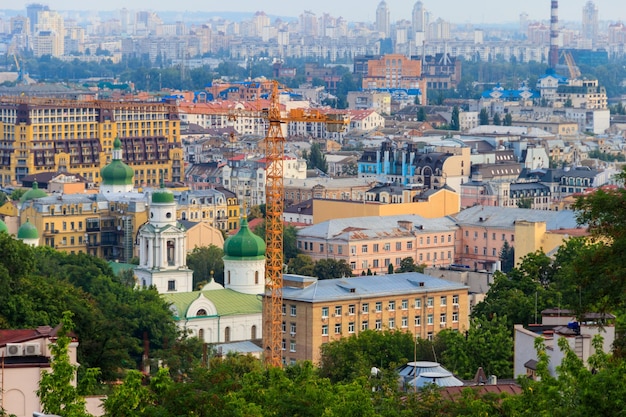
column 320, row 311
column 442, row 202
column 41, row 135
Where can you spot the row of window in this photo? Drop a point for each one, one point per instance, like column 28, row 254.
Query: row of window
column 391, row 306
column 493, row 235
column 375, row 248
column 391, row 323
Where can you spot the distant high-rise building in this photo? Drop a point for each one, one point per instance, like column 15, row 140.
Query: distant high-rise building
column 419, row 17
column 308, row 23
column 32, row 11
column 49, row 38
column 523, row 23
column 590, row 23
column 383, row 19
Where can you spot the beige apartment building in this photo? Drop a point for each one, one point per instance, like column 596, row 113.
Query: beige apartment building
column 320, row 311
column 376, row 242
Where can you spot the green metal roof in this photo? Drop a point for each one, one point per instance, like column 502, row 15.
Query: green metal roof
column 27, row 231
column 117, row 173
column 33, row 193
column 226, row 301
column 244, row 245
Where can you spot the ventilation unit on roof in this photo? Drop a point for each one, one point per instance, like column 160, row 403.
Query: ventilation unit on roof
column 14, row 349
column 32, row 349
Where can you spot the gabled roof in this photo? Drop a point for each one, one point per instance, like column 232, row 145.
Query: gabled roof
column 24, row 335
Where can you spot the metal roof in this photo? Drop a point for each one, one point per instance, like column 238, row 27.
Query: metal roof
column 505, row 218
column 376, row 227
column 367, row 286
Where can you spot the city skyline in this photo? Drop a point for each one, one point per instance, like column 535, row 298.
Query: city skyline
column 457, row 11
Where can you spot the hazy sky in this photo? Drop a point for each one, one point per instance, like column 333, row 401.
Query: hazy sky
column 456, row 11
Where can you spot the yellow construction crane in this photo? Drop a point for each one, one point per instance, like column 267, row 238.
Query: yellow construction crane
column 274, row 203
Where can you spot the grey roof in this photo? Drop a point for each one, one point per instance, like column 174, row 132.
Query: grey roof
column 505, row 218
column 367, row 286
column 243, row 347
column 375, row 226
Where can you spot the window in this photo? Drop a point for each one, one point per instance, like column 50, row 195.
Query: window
column 353, row 250
column 365, row 308
column 429, row 319
column 418, row 303
column 337, row 328
column 493, row 236
column 325, row 330
column 392, row 323
column 375, row 247
column 284, row 310
column 337, row 311
column 387, row 246
column 493, row 252
column 398, row 245
column 353, row 265
column 379, row 306
column 171, row 285
column 293, row 310
column 444, row 300
column 292, row 346
column 375, row 263
column 324, row 312
column 351, row 327
column 339, row 249
column 330, row 248
column 442, row 319
column 475, row 250
column 292, row 328
column 405, row 304
column 379, row 324
column 455, row 299
column 503, row 237
column 455, row 317
column 363, row 248
column 449, row 238
column 409, row 245
column 418, row 320
column 283, row 327
column 429, row 301
column 351, row 309
column 475, row 235
column 405, row 322
column 391, row 306
column 430, row 336
column 321, row 248
column 364, row 325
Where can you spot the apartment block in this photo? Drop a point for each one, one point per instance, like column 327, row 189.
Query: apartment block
column 320, row 311
column 42, row 135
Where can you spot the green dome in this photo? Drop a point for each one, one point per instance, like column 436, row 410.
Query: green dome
column 244, row 244
column 117, row 172
column 3, row 227
column 27, row 231
column 162, row 196
column 33, row 193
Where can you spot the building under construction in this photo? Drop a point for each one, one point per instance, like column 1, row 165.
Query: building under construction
column 45, row 135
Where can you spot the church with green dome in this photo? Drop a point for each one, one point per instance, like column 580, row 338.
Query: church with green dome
column 117, row 177
column 33, row 193
column 28, row 234
column 244, row 261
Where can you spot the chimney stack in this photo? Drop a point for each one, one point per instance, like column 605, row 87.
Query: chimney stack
column 553, row 57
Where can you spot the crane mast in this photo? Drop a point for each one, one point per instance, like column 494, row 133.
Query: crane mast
column 274, row 200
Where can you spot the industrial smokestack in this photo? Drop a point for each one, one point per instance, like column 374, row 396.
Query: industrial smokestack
column 553, row 57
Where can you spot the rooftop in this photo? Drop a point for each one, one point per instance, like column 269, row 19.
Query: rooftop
column 502, row 217
column 361, row 287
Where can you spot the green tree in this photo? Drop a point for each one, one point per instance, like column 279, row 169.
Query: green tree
column 207, row 263
column 390, row 269
column 290, row 239
column 56, row 392
column 488, row 343
column 421, row 114
column 454, row 119
column 409, row 265
column 483, row 117
column 507, row 257
column 525, row 202
column 331, row 268
column 349, row 358
column 496, row 119
column 315, row 158
column 508, row 120
column 17, row 194
column 301, row 265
